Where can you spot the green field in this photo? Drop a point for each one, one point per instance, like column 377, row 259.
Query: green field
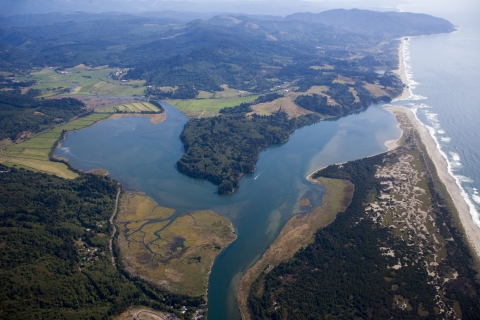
column 130, row 107
column 85, row 81
column 33, row 153
column 208, row 107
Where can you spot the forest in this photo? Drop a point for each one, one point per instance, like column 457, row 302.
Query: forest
column 331, row 277
column 224, row 148
column 55, row 262
column 20, row 113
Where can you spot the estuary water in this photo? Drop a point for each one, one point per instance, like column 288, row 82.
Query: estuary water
column 142, row 156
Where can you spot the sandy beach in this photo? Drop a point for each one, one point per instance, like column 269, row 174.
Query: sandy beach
column 472, row 232
column 401, row 71
column 393, row 144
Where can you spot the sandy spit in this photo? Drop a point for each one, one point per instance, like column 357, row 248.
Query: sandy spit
column 472, row 232
column 394, row 144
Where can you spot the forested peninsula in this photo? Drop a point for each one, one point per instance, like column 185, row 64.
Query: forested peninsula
column 400, row 240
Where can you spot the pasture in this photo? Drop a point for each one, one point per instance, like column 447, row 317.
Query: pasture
column 208, row 107
column 33, row 153
column 83, row 80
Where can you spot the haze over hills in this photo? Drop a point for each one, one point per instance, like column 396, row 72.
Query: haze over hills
column 281, row 8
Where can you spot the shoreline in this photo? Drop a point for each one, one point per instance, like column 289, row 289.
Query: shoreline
column 455, row 190
column 471, row 231
column 394, row 144
column 297, row 233
column 401, row 72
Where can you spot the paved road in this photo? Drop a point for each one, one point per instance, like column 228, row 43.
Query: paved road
column 114, row 229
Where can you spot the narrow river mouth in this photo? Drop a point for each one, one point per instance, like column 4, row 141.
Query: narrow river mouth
column 142, row 156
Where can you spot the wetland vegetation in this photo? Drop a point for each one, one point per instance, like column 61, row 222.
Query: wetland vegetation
column 175, row 253
column 297, row 233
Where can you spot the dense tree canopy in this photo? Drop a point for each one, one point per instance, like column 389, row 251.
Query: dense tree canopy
column 25, row 113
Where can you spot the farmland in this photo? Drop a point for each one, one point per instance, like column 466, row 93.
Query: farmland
column 83, row 80
column 33, row 153
column 135, row 107
column 208, row 107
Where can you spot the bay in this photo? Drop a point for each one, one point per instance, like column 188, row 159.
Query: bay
column 142, row 156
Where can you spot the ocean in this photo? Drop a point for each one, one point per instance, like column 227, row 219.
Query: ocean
column 443, row 74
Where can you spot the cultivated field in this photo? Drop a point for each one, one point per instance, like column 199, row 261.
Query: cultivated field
column 33, row 153
column 174, row 252
column 208, row 107
column 101, row 102
column 83, row 80
column 130, row 108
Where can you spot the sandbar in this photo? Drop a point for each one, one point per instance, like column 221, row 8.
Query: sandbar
column 471, row 231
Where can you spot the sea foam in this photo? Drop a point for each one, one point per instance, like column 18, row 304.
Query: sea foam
column 434, row 128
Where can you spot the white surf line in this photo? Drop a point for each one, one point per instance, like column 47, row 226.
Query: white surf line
column 412, row 84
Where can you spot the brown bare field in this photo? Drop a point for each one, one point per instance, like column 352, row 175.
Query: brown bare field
column 318, row 90
column 285, row 104
column 324, row 67
column 155, row 118
column 355, row 94
column 375, row 89
column 342, row 79
column 5, row 142
column 174, row 252
column 99, row 172
column 297, row 233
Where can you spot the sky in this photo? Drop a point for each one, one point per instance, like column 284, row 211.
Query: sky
column 442, row 8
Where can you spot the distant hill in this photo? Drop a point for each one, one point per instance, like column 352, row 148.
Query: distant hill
column 389, row 24
column 245, row 52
